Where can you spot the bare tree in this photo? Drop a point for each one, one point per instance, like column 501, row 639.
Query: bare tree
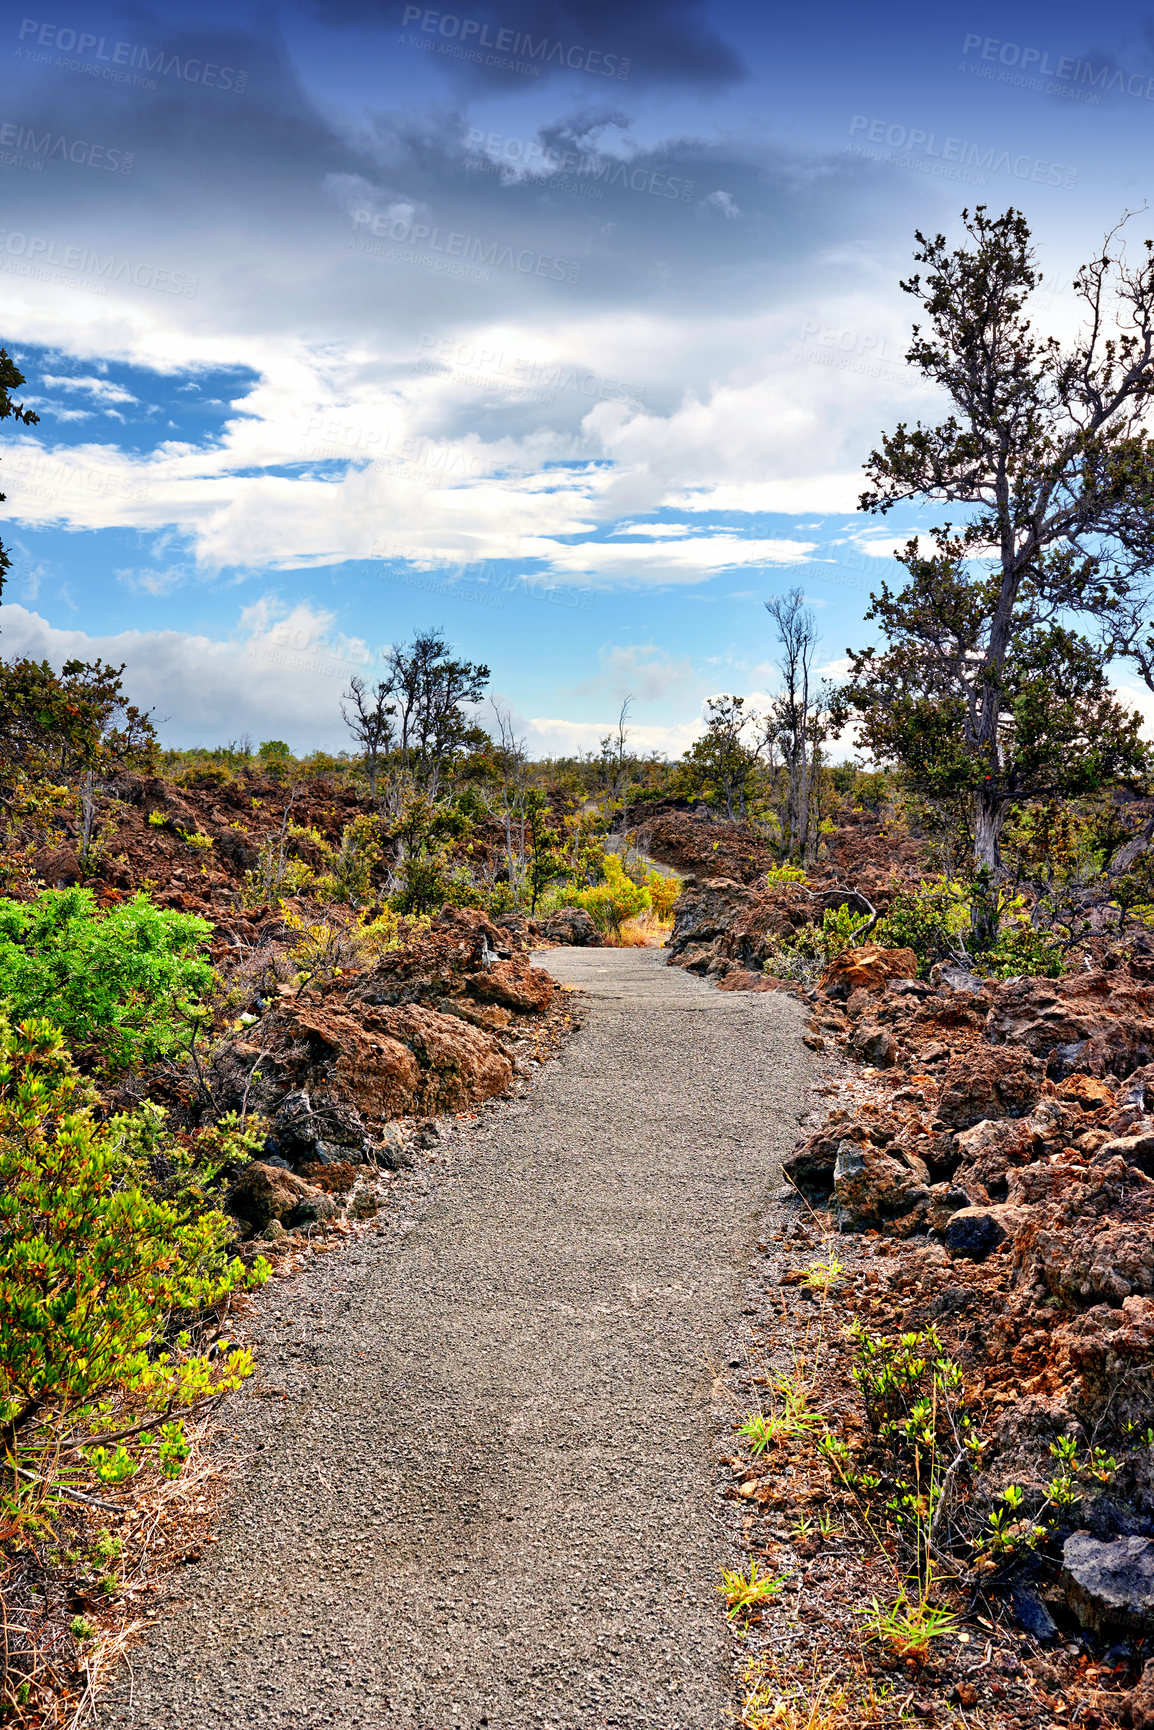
column 511, row 791
column 794, row 716
column 368, row 715
column 614, row 757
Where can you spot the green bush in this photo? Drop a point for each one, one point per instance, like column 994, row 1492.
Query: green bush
column 1021, row 949
column 612, row 901
column 119, row 983
column 926, row 922
column 93, row 1273
column 822, row 942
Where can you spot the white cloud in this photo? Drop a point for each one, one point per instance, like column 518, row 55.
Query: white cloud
column 643, row 669
column 549, row 737
column 725, row 202
column 280, row 675
column 101, row 390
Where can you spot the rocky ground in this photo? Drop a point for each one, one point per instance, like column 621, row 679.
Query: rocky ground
column 984, row 1168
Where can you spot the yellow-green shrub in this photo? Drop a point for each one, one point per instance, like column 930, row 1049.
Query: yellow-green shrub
column 93, row 1271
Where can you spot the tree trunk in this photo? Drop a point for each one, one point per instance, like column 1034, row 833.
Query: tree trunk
column 989, row 815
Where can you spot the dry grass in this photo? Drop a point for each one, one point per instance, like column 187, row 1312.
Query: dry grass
column 51, row 1582
column 776, row 1698
column 644, row 931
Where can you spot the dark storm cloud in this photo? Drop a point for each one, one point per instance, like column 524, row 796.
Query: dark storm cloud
column 492, row 42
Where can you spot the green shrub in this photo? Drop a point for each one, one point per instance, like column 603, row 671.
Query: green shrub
column 1021, row 949
column 778, row 874
column 926, row 921
column 93, row 1272
column 120, row 983
column 663, row 893
column 822, row 942
column 612, row 901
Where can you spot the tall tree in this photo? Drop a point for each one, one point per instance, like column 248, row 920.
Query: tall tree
column 722, row 761
column 429, row 690
column 993, row 687
column 11, row 378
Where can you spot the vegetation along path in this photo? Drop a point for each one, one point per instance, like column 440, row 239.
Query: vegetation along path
column 490, row 1503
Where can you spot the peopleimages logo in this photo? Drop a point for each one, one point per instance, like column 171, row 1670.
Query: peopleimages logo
column 474, row 36
column 957, row 157
column 122, row 62
column 1029, row 66
column 51, row 146
column 31, row 254
column 467, row 250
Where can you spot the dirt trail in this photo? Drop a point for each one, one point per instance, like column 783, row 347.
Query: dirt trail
column 487, row 1500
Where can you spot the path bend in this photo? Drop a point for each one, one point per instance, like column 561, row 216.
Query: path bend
column 486, row 1500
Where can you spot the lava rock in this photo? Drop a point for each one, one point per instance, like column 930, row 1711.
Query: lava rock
column 973, row 1233
column 868, row 968
column 874, row 1044
column 1033, row 1614
column 263, row 1193
column 1110, row 1585
column 571, row 925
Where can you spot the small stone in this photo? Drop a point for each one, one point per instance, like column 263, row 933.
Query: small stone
column 273, row 1230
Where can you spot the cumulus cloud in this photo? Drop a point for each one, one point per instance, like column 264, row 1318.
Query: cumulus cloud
column 643, row 670
column 279, row 675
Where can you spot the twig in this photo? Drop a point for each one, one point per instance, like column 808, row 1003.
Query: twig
column 73, row 1495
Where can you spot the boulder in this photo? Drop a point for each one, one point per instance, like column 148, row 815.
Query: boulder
column 1110, row 1585
column 1136, row 1150
column 454, row 1063
column 1035, row 1014
column 1032, row 1613
column 873, row 1044
column 514, row 984
column 571, row 925
column 868, row 968
column 973, row 1233
column 990, row 1148
column 1087, row 1091
column 58, row 867
column 989, row 1083
column 372, row 1066
column 875, row 1186
column 263, row 1193
column 704, row 912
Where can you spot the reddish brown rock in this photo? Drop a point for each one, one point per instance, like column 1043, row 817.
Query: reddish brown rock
column 374, row 1068
column 58, row 867
column 515, row 985
column 878, row 1186
column 873, row 1044
column 989, row 1083
column 1087, row 1091
column 457, row 1063
column 869, row 968
column 263, row 1193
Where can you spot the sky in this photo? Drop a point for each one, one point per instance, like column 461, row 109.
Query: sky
column 563, row 325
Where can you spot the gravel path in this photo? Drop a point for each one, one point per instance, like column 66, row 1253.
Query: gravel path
column 488, row 1500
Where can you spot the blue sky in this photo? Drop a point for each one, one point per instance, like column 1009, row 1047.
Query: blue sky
column 561, row 324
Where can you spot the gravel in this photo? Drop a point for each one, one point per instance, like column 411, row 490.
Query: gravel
column 488, row 1497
